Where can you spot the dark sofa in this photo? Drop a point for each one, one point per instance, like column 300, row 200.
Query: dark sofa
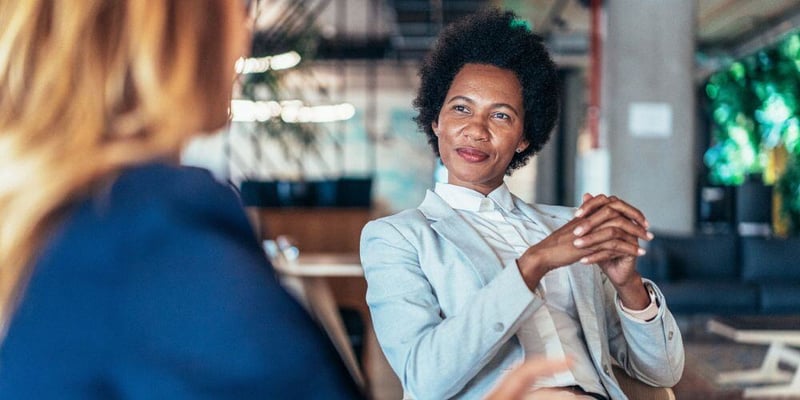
column 725, row 273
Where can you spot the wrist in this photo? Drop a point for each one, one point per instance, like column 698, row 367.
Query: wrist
column 650, row 312
column 633, row 282
column 633, row 294
column 532, row 269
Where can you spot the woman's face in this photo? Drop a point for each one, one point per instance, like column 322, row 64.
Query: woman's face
column 480, row 126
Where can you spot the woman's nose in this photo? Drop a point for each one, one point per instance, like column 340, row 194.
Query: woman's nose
column 476, row 131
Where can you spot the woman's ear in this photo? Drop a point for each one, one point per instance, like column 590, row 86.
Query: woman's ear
column 523, row 144
column 435, row 127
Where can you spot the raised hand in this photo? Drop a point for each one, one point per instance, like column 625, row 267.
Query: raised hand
column 610, row 227
column 556, row 250
column 605, row 231
column 517, row 383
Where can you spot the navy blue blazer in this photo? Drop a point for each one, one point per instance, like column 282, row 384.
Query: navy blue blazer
column 158, row 289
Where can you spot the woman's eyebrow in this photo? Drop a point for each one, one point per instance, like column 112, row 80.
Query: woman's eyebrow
column 460, row 97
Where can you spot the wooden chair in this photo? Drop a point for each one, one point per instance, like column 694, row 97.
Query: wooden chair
column 637, row 390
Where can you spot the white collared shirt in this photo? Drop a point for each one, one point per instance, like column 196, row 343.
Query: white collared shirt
column 554, row 330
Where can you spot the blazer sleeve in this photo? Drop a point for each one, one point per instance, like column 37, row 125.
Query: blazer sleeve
column 436, row 356
column 651, row 351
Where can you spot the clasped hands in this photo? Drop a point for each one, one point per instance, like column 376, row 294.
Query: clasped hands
column 605, row 231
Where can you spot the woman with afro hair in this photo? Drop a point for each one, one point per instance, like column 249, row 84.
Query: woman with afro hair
column 474, row 281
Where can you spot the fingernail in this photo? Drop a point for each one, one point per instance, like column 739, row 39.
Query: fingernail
column 578, row 242
column 646, row 223
column 642, row 251
column 578, row 212
column 650, row 236
column 585, row 260
column 578, row 230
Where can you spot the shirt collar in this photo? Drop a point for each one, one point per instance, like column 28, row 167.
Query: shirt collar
column 461, row 198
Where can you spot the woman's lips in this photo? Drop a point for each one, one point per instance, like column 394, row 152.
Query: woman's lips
column 472, row 155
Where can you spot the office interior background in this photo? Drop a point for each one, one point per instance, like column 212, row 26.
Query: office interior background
column 688, row 109
column 640, row 116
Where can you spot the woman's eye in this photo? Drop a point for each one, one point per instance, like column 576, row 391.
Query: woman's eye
column 460, row 108
column 502, row 116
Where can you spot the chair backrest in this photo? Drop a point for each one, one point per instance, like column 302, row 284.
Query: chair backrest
column 637, row 390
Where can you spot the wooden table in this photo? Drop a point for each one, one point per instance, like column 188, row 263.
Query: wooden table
column 782, row 335
column 307, row 277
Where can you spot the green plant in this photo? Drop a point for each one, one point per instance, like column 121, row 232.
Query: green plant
column 755, row 108
column 735, row 153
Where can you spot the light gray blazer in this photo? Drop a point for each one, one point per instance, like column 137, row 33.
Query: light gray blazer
column 446, row 310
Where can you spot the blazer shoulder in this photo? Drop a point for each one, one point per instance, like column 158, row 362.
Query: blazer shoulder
column 404, row 219
column 187, row 185
column 406, row 226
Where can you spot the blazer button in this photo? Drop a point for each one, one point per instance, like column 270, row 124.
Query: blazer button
column 498, row 327
column 669, row 336
column 607, row 370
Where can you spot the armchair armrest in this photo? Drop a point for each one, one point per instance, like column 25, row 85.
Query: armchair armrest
column 638, row 390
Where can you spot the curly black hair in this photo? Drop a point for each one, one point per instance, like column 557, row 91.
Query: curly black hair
column 495, row 38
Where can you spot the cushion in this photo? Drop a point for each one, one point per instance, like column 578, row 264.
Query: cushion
column 700, row 256
column 780, row 298
column 709, row 296
column 771, row 260
column 653, row 265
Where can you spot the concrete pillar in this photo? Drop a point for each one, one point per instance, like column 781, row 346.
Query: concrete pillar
column 648, row 108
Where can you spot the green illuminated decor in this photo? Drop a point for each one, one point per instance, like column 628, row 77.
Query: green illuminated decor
column 755, row 115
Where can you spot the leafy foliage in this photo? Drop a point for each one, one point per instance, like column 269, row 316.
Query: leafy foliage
column 755, row 108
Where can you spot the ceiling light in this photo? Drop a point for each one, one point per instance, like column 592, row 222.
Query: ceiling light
column 257, row 65
column 291, row 111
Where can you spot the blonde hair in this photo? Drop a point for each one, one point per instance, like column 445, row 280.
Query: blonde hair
column 90, row 87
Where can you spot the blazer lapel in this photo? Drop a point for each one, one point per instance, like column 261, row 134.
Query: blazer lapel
column 449, row 225
column 547, row 221
column 583, row 280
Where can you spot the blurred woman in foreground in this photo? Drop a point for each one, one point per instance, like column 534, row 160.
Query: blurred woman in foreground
column 122, row 275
